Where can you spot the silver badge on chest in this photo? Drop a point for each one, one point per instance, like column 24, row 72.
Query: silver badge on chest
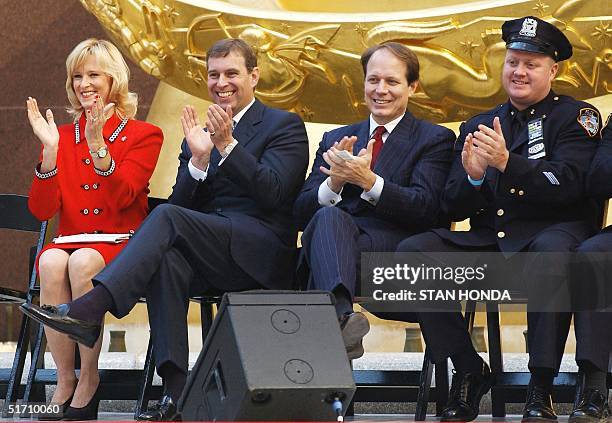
column 535, row 131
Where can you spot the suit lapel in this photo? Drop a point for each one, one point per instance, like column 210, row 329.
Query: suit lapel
column 363, row 136
column 246, row 129
column 396, row 147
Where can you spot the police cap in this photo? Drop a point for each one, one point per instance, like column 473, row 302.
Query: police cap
column 538, row 36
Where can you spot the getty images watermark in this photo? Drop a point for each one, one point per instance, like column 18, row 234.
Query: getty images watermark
column 548, row 282
column 424, row 275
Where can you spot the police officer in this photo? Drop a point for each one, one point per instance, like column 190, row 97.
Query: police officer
column 519, row 175
column 593, row 402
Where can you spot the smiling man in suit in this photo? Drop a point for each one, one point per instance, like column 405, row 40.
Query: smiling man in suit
column 370, row 201
column 228, row 226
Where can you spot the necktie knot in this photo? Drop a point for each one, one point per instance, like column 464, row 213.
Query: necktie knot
column 379, row 131
column 378, row 144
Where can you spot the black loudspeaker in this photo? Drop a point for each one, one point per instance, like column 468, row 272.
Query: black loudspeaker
column 270, row 355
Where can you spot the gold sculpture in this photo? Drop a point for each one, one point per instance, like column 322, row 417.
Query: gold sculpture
column 309, row 51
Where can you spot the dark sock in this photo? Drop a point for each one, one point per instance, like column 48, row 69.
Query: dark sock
column 594, row 377
column 467, row 361
column 174, row 380
column 92, row 306
column 542, row 376
column 344, row 304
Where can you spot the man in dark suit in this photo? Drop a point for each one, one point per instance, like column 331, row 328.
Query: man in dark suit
column 369, row 202
column 518, row 175
column 227, row 227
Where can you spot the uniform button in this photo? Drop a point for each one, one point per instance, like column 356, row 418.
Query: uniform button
column 556, row 98
column 96, row 211
column 333, row 201
column 85, row 212
column 500, row 212
column 532, row 111
column 131, row 231
column 512, row 190
column 521, row 192
column 95, row 186
column 87, row 161
column 512, row 112
column 501, row 234
column 86, row 187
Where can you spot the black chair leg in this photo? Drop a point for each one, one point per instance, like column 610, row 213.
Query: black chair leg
column 147, row 381
column 579, row 387
column 441, row 386
column 206, row 318
column 498, row 404
column 12, row 390
column 37, row 362
column 424, row 389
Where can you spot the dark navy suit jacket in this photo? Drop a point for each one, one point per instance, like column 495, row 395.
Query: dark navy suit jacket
column 414, row 163
column 255, row 188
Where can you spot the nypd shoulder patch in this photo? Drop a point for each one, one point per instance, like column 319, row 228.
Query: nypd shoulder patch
column 589, row 120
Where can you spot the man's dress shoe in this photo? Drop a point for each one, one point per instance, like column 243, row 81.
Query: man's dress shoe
column 592, row 408
column 539, row 406
column 354, row 327
column 56, row 317
column 164, row 411
column 467, row 389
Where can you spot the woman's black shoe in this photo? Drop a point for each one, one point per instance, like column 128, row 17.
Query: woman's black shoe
column 89, row 412
column 50, row 416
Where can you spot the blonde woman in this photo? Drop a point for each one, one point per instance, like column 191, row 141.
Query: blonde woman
column 93, row 174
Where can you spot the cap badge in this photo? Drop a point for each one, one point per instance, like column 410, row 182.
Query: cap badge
column 529, row 27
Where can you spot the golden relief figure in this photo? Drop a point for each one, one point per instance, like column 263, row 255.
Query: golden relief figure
column 309, row 51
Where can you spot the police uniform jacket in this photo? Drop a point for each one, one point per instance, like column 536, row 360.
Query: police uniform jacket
column 87, row 202
column 544, row 180
column 600, row 174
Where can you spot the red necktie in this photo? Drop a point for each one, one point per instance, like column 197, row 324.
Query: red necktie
column 378, row 144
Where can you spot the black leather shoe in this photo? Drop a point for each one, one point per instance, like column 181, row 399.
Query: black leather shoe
column 467, row 389
column 56, row 317
column 539, row 406
column 592, row 408
column 164, row 411
column 354, row 327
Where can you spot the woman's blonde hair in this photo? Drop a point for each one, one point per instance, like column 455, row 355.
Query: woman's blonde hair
column 113, row 64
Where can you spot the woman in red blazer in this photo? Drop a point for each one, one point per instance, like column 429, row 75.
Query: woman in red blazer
column 93, row 175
